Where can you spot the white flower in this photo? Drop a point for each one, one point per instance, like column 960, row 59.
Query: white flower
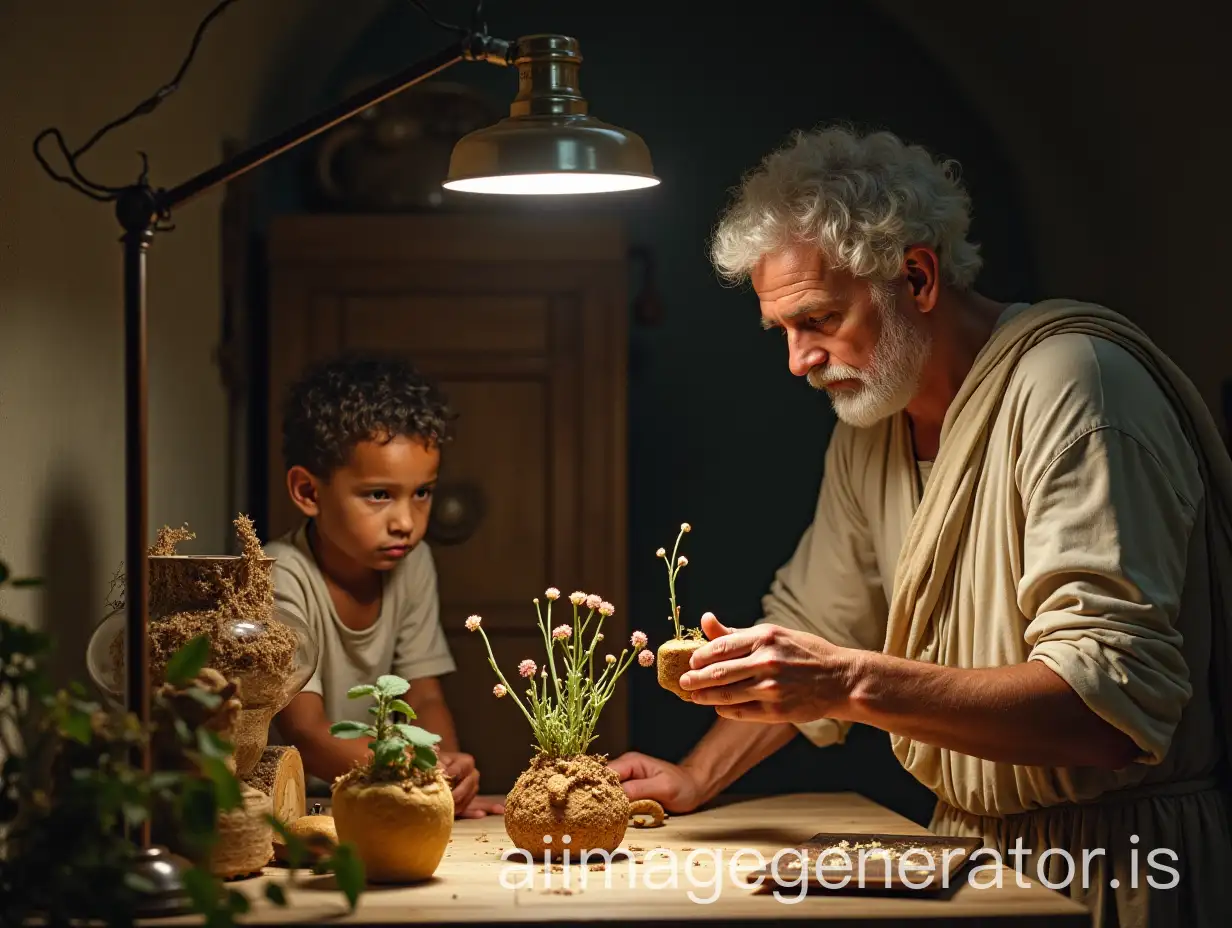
column 682, row 560
column 606, row 608
column 594, row 601
column 561, row 632
column 577, row 597
column 660, row 553
column 686, row 527
column 552, row 593
column 499, row 690
column 638, row 639
column 611, row 658
column 646, row 658
column 527, row 668
column 473, row 623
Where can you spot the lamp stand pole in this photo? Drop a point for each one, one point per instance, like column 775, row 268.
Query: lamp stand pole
column 140, row 209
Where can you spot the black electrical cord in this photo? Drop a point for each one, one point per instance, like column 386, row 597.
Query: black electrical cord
column 79, row 181
column 82, row 184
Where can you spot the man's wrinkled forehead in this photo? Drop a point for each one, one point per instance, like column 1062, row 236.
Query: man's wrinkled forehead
column 796, row 281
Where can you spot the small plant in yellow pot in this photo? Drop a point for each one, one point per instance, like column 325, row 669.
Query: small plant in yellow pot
column 567, row 799
column 397, row 809
column 674, row 654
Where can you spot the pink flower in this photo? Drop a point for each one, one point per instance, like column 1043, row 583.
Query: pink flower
column 473, row 623
column 638, row 639
column 561, row 632
column 594, row 601
column 646, row 658
column 527, row 668
column 552, row 593
column 577, row 597
column 499, row 690
column 606, row 608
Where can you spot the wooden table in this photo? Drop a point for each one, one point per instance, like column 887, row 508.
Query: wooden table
column 467, row 888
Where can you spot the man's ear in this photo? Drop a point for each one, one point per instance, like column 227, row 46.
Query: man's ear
column 923, row 276
column 302, row 486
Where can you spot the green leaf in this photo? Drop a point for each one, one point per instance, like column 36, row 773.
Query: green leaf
column 211, row 744
column 237, row 902
column 226, row 786
column 387, row 752
column 162, row 779
column 207, row 699
column 390, row 685
column 348, row 728
column 134, row 814
column 188, row 661
column 198, row 810
column 425, row 757
column 358, row 692
column 417, row 736
column 349, row 872
column 76, row 725
column 274, row 893
column 397, row 705
column 202, row 888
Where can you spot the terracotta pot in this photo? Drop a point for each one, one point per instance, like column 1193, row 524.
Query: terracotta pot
column 672, row 661
column 570, row 802
column 400, row 831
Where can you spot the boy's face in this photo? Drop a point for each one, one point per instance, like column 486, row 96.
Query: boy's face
column 375, row 508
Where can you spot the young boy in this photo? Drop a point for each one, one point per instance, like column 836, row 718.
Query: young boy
column 362, row 444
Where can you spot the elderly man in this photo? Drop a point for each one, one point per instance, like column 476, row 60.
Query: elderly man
column 1020, row 564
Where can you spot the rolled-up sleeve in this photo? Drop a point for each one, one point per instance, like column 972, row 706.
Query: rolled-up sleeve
column 831, row 585
column 1105, row 545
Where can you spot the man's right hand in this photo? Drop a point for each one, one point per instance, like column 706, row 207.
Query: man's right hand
column 674, row 787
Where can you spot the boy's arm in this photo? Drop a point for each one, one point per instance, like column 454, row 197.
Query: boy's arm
column 304, row 724
column 428, row 700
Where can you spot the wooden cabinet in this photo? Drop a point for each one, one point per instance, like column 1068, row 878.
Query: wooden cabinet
column 522, row 320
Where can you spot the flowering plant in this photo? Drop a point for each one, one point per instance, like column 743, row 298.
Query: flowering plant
column 674, row 563
column 563, row 707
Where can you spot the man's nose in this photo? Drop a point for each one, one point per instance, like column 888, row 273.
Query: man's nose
column 803, row 355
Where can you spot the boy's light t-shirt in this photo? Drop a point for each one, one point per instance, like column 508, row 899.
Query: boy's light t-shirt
column 406, row 639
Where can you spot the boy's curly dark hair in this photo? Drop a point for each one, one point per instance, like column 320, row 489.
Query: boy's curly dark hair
column 337, row 404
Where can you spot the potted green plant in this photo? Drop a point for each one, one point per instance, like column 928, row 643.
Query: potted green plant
column 71, row 797
column 397, row 808
column 675, row 653
column 567, row 798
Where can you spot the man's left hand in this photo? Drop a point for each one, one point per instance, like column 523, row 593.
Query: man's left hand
column 769, row 674
column 464, row 778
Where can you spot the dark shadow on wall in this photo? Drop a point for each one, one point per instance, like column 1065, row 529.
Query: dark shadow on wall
column 74, row 585
column 721, row 434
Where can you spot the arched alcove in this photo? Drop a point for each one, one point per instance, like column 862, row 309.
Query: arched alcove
column 720, row 434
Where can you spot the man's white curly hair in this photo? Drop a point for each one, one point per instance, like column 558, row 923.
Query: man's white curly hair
column 863, row 199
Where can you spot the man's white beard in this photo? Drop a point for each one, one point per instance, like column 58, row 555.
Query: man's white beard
column 891, row 379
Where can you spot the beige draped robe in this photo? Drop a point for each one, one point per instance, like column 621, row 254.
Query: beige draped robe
column 1078, row 514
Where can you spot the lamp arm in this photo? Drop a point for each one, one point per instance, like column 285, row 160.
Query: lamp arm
column 473, row 47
